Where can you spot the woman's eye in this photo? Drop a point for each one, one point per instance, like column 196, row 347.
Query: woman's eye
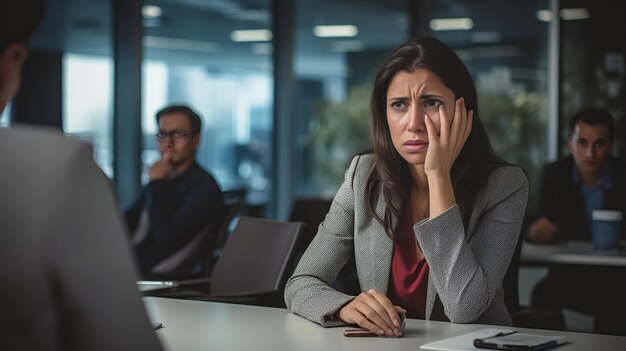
column 432, row 104
column 398, row 105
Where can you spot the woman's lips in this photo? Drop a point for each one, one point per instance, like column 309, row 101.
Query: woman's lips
column 415, row 145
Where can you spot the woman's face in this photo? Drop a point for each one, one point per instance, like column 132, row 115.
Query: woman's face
column 411, row 96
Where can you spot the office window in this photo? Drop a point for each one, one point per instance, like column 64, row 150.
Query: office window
column 592, row 63
column 88, row 102
column 216, row 58
column 338, row 46
column 505, row 47
column 74, row 41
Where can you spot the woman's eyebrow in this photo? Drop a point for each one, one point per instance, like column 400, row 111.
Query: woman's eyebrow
column 398, row 98
column 430, row 96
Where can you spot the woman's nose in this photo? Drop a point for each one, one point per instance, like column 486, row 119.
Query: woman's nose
column 416, row 121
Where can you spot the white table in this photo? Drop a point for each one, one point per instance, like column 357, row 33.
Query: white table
column 197, row 325
column 577, row 253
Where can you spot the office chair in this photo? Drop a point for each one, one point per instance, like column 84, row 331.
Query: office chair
column 256, row 260
column 526, row 317
column 253, row 268
column 196, row 258
column 190, row 260
column 312, row 211
column 214, row 250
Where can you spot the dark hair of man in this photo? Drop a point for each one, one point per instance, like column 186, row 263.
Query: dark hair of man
column 593, row 116
column 194, row 119
column 391, row 172
column 18, row 21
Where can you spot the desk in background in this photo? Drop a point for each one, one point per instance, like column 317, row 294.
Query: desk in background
column 572, row 253
column 197, row 325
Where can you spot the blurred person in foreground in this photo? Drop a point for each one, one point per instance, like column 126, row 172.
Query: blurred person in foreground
column 432, row 217
column 67, row 276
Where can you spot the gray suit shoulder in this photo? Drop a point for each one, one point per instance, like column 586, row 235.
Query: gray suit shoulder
column 508, row 175
column 506, row 180
column 361, row 165
column 38, row 140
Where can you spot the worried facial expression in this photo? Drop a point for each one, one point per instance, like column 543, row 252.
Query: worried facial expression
column 411, row 96
column 181, row 151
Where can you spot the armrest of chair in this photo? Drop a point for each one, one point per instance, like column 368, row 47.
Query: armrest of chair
column 152, row 285
column 189, row 288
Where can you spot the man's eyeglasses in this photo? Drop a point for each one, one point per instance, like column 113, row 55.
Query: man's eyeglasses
column 176, row 136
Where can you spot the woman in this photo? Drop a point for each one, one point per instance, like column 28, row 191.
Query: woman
column 432, row 217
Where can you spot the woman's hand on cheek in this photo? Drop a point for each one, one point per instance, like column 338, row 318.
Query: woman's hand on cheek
column 444, row 148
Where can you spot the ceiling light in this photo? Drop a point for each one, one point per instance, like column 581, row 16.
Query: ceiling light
column 151, row 11
column 204, row 47
column 566, row 14
column 251, row 35
column 439, row 24
column 337, row 31
column 544, row 15
column 574, row 14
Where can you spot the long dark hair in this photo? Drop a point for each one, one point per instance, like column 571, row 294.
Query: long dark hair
column 391, row 173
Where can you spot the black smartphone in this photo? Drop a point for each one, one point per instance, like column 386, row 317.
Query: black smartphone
column 515, row 341
column 360, row 332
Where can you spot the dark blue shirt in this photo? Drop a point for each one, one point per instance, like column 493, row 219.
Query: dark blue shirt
column 178, row 209
column 594, row 195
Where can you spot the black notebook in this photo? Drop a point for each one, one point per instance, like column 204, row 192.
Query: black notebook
column 498, row 339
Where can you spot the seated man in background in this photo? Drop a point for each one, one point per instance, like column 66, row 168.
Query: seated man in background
column 590, row 178
column 67, row 276
column 180, row 205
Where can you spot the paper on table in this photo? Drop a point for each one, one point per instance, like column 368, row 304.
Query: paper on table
column 462, row 342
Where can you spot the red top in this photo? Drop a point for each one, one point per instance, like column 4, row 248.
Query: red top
column 409, row 278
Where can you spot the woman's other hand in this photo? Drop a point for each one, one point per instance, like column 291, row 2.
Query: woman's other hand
column 373, row 311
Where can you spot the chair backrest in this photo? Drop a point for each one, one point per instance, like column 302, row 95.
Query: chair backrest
column 182, row 263
column 312, row 211
column 195, row 259
column 256, row 258
column 222, row 233
column 234, row 195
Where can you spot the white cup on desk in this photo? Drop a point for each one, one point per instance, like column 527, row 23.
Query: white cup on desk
column 606, row 228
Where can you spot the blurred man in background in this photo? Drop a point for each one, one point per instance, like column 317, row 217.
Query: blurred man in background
column 572, row 188
column 181, row 206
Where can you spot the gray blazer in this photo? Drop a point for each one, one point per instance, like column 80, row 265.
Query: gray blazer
column 466, row 269
column 67, row 276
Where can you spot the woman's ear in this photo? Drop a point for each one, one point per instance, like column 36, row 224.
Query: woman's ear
column 13, row 57
column 11, row 61
column 16, row 53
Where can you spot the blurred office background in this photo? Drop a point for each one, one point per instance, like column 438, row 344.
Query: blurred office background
column 283, row 86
